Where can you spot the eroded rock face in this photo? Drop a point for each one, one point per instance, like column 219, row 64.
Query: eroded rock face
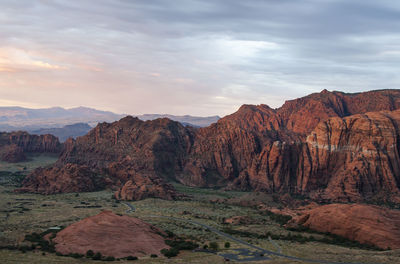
column 355, row 157
column 111, row 235
column 130, row 155
column 12, row 153
column 323, row 145
column 366, row 224
column 330, row 145
column 144, row 187
column 15, row 145
column 69, row 178
column 31, row 143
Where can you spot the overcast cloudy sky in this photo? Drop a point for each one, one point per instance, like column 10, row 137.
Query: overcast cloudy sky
column 199, row 57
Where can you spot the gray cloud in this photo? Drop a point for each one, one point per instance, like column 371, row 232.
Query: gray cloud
column 191, row 56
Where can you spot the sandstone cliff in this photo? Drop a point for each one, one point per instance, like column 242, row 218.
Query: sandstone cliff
column 130, row 155
column 15, row 145
column 323, row 145
column 330, row 145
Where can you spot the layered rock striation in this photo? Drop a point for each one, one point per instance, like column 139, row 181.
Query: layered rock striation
column 328, row 146
column 133, row 156
column 366, row 224
column 15, row 145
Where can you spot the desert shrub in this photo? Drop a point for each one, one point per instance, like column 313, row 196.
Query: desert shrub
column 280, row 219
column 169, row 233
column 75, row 255
column 109, row 258
column 97, row 256
column 214, row 246
column 89, row 253
column 181, row 244
column 169, row 253
column 227, row 245
column 153, row 256
column 131, row 258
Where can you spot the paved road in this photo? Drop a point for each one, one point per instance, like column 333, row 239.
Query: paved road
column 261, row 251
column 275, row 244
column 131, row 208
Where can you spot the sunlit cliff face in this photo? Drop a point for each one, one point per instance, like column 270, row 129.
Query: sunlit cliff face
column 193, row 57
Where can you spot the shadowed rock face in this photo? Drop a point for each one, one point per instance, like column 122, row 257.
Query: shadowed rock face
column 329, row 145
column 111, row 235
column 14, row 145
column 364, row 223
column 130, row 155
column 12, row 153
column 68, row 178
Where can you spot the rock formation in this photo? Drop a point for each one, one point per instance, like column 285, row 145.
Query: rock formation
column 131, row 155
column 330, row 145
column 323, row 145
column 145, row 186
column 366, row 224
column 111, row 235
column 68, row 178
column 15, row 145
column 12, row 153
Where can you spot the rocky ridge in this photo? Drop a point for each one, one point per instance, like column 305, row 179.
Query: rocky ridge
column 366, row 224
column 15, row 145
column 329, row 146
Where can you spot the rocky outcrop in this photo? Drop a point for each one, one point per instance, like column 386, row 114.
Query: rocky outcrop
column 356, row 157
column 31, row 143
column 15, row 145
column 144, row 187
column 330, row 145
column 131, row 155
column 68, row 178
column 12, row 153
column 281, row 150
column 366, row 224
column 111, row 235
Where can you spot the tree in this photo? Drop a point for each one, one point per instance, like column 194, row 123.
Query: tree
column 214, row 246
column 227, row 245
column 89, row 253
column 97, row 256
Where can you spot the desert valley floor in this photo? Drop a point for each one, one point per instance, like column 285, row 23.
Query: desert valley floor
column 23, row 214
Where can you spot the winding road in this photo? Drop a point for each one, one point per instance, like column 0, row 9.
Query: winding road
column 260, row 251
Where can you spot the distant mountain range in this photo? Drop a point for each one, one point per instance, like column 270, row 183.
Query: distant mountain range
column 18, row 118
column 187, row 120
column 63, row 133
column 74, row 121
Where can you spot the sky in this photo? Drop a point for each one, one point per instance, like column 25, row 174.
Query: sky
column 197, row 57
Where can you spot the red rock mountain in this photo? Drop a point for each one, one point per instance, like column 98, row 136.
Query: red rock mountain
column 14, row 145
column 329, row 145
column 111, row 235
column 366, row 224
column 131, row 155
column 326, row 145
